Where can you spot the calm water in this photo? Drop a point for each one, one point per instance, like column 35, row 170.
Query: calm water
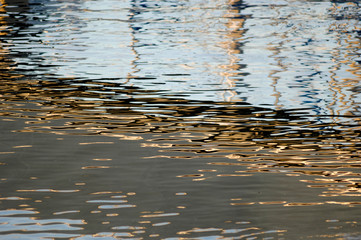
column 136, row 119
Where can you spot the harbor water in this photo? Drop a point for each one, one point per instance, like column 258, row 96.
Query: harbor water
column 194, row 119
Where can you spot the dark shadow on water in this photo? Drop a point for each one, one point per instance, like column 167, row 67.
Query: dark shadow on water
column 190, row 151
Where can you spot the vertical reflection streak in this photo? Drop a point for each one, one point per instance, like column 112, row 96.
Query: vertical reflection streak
column 344, row 102
column 334, row 85
column 134, row 40
column 235, row 34
column 276, row 55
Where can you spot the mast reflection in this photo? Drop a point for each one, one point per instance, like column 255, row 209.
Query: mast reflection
column 224, row 139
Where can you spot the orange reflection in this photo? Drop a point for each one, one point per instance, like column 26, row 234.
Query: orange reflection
column 235, row 139
column 247, row 138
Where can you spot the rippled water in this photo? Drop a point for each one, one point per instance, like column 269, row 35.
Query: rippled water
column 180, row 119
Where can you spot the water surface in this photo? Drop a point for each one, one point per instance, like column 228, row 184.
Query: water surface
column 180, row 119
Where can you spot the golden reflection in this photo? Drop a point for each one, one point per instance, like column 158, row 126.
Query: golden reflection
column 181, row 194
column 91, row 143
column 47, row 190
column 95, row 167
column 234, row 34
column 295, row 204
column 96, row 193
column 23, row 146
column 348, row 45
column 102, row 159
column 231, row 140
column 155, row 215
column 7, row 64
column 247, row 232
column 249, row 139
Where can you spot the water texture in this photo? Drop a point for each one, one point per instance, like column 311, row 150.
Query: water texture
column 131, row 119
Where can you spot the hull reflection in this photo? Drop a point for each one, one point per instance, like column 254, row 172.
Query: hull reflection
column 222, row 144
column 179, row 120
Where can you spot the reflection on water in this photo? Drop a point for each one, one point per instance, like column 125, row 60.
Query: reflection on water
column 180, row 120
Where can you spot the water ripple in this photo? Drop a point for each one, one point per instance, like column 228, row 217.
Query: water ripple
column 180, row 120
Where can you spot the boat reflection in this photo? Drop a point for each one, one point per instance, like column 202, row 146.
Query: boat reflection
column 217, row 142
column 97, row 149
column 261, row 139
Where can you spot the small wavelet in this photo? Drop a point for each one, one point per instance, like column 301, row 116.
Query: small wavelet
column 180, row 119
